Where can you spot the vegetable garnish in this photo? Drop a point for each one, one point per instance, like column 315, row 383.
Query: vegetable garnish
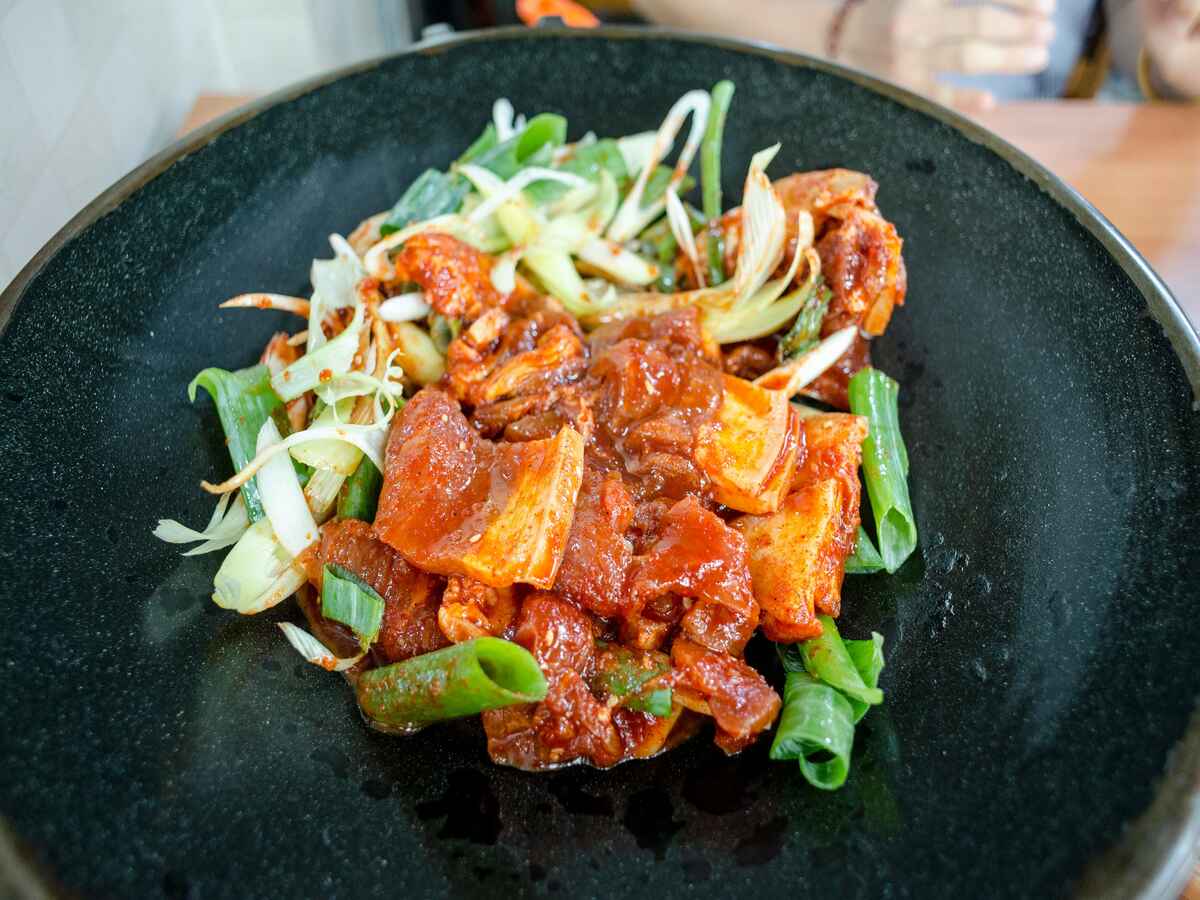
column 484, row 673
column 316, row 652
column 228, row 523
column 360, row 494
column 710, row 175
column 885, row 465
column 244, row 401
column 348, row 599
column 831, row 684
column 815, row 727
column 548, row 396
column 865, row 560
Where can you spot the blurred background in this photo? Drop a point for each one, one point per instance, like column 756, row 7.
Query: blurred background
column 91, row 88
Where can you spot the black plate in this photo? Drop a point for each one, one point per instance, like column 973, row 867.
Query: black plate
column 1038, row 736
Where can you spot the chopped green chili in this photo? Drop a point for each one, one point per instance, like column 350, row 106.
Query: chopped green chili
column 244, row 399
column 467, row 678
column 885, row 465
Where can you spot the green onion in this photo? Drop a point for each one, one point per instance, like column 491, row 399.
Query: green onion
column 805, row 332
column 485, row 142
column 348, row 599
column 867, row 656
column 657, row 703
column 244, row 401
column 484, row 673
column 659, row 181
column 545, row 131
column 443, row 331
column 710, row 174
column 587, row 162
column 816, row 727
column 826, row 659
column 434, row 193
column 359, row 498
column 865, row 560
column 629, row 676
column 885, row 465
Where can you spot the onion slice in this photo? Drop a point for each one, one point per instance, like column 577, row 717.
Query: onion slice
column 314, row 651
column 282, row 497
column 404, row 307
column 281, row 302
column 798, row 373
column 681, row 228
column 632, row 217
column 227, row 524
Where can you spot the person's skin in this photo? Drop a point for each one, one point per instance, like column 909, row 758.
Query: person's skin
column 1170, row 32
column 910, row 42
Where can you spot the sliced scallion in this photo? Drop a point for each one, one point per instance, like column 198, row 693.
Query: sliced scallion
column 244, row 400
column 348, row 599
column 484, row 673
column 359, row 498
column 885, row 465
column 815, row 727
column 710, row 174
column 825, row 658
column 865, row 560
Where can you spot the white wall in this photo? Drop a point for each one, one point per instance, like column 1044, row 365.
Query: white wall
column 91, row 88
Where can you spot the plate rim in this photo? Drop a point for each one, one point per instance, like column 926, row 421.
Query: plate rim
column 1164, row 835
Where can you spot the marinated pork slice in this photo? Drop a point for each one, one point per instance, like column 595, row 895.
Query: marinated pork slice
column 741, row 703
column 471, row 609
column 749, row 449
column 455, row 504
column 455, row 277
column 798, row 553
column 596, row 562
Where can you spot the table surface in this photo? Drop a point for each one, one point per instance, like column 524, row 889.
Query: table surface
column 1138, row 164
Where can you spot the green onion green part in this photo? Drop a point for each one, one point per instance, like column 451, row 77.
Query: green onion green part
column 348, row 599
column 805, row 332
column 434, row 193
column 710, row 174
column 826, row 659
column 359, row 497
column 631, row 677
column 659, row 180
column 484, row 673
column 885, row 465
column 865, row 560
column 815, row 727
column 443, row 330
column 244, row 399
column 867, row 657
column 544, row 132
column 656, row 702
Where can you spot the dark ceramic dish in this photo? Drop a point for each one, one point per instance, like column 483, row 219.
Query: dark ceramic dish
column 1043, row 645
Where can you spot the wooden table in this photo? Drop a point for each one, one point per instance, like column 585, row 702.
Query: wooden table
column 1138, row 164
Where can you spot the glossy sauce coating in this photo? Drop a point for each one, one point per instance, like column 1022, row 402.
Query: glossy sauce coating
column 603, row 492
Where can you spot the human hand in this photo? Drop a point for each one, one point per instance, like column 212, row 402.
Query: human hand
column 1172, row 39
column 912, row 42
